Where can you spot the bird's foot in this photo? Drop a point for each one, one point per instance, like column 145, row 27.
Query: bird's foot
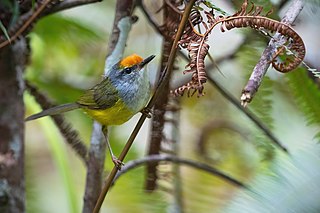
column 147, row 112
column 118, row 163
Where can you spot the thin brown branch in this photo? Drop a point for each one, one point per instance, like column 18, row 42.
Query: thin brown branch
column 121, row 26
column 169, row 158
column 71, row 136
column 23, row 25
column 161, row 85
column 31, row 17
column 248, row 113
column 66, row 4
column 236, row 103
column 116, row 48
column 267, row 56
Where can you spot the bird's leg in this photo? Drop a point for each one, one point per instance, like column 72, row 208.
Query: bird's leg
column 118, row 163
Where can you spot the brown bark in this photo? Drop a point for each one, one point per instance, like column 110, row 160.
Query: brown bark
column 12, row 195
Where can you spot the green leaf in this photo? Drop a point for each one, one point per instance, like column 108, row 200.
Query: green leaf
column 209, row 4
column 307, row 95
column 4, row 30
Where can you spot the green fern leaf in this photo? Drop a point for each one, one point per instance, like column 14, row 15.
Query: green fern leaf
column 4, row 30
column 291, row 187
column 307, row 95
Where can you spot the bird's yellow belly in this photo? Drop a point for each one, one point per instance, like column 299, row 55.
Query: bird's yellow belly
column 115, row 115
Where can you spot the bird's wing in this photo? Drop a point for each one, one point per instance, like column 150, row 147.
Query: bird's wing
column 101, row 96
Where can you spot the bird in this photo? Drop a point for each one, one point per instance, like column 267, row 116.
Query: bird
column 123, row 92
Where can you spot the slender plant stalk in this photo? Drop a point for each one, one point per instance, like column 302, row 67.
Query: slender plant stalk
column 117, row 43
column 262, row 66
column 26, row 24
column 143, row 117
column 248, row 113
column 67, row 4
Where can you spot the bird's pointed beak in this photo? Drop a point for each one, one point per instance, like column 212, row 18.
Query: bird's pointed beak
column 146, row 61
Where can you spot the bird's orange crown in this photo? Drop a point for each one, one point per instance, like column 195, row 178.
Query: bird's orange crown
column 130, row 60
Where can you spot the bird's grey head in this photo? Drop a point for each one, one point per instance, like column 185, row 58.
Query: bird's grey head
column 121, row 75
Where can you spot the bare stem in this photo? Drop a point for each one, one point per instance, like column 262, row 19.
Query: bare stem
column 143, row 117
column 117, row 42
column 67, row 4
column 267, row 56
column 248, row 113
column 95, row 166
column 29, row 21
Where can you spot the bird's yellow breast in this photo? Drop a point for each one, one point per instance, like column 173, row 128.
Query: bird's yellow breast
column 115, row 115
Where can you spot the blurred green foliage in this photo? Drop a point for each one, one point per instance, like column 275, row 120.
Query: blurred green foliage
column 68, row 56
column 65, row 57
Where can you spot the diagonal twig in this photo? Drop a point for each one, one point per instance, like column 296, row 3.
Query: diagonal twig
column 117, row 43
column 233, row 100
column 164, row 78
column 262, row 66
column 248, row 113
column 67, row 4
column 22, row 26
column 30, row 17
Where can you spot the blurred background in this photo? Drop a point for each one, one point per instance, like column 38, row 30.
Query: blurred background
column 68, row 55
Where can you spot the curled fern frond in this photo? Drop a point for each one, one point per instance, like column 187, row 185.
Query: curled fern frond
column 191, row 87
column 197, row 46
column 248, row 16
column 252, row 18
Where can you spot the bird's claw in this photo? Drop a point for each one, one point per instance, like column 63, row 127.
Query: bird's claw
column 118, row 163
column 147, row 112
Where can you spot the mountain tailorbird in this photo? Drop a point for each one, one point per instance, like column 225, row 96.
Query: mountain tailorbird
column 124, row 91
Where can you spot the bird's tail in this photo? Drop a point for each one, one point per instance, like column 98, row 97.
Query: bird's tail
column 54, row 111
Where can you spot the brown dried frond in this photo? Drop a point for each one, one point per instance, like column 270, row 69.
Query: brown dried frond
column 248, row 16
column 191, row 87
column 197, row 46
column 253, row 19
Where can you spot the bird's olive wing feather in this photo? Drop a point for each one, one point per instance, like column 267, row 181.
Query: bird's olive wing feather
column 101, row 96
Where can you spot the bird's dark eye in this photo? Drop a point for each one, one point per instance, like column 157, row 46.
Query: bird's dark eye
column 128, row 70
